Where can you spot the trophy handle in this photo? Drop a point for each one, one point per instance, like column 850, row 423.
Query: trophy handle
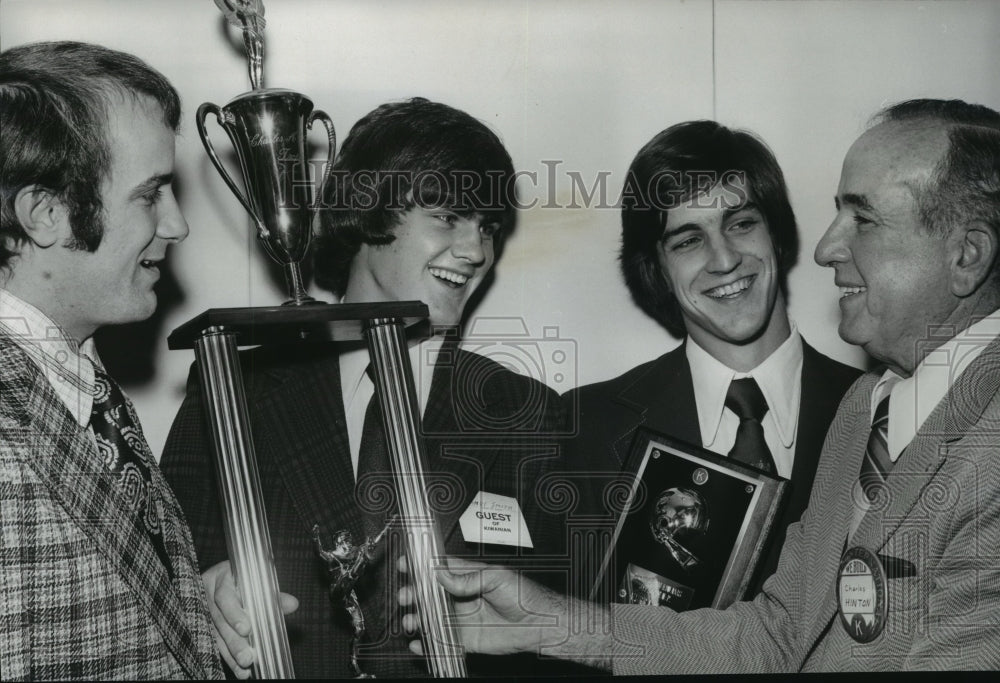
column 221, row 116
column 331, row 135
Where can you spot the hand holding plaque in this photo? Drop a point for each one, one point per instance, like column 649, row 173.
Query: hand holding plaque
column 693, row 528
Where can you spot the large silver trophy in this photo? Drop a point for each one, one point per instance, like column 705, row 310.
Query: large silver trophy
column 268, row 129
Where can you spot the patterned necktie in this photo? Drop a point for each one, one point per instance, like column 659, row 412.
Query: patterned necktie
column 125, row 453
column 745, row 399
column 877, row 464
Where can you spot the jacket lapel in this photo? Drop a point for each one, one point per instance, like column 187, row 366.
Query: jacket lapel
column 442, row 433
column 662, row 399
column 315, row 464
column 89, row 493
column 961, row 407
column 189, row 587
column 816, row 411
column 811, row 428
column 829, row 523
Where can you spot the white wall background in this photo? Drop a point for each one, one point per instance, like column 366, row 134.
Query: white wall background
column 584, row 83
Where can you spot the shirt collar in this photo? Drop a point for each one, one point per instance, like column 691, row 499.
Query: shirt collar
column 914, row 398
column 777, row 376
column 354, row 362
column 68, row 366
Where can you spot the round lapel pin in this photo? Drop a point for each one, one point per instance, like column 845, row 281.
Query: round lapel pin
column 862, row 599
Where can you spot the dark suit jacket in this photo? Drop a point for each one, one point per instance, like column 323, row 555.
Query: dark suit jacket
column 481, row 430
column 659, row 395
column 939, row 516
column 83, row 594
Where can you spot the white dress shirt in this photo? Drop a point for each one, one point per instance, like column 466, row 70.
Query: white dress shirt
column 779, row 377
column 357, row 389
column 914, row 398
column 67, row 365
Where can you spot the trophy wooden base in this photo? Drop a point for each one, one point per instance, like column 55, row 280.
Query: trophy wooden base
column 261, row 325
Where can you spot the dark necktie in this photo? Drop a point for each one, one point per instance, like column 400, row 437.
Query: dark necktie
column 877, row 464
column 374, row 476
column 745, row 399
column 125, row 453
column 373, row 488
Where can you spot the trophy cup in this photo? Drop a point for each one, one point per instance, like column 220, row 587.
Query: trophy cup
column 268, row 128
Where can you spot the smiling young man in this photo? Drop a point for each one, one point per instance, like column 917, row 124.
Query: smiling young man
column 420, row 209
column 99, row 578
column 708, row 237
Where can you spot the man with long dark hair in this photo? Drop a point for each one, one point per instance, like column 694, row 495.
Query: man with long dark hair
column 419, row 207
column 708, row 238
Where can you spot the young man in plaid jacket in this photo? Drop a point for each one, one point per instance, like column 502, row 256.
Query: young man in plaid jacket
column 98, row 577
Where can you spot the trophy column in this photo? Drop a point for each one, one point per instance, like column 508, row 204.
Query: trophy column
column 424, row 548
column 247, row 539
column 268, row 129
column 216, row 335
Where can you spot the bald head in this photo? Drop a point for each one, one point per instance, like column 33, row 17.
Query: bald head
column 897, row 158
column 964, row 184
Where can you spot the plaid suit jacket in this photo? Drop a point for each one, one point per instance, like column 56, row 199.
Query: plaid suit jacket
column 83, row 594
column 483, row 430
column 941, row 516
column 660, row 395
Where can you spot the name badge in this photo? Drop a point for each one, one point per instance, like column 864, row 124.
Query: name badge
column 863, row 601
column 491, row 518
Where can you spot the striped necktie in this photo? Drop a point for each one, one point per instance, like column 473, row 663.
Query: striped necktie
column 876, row 465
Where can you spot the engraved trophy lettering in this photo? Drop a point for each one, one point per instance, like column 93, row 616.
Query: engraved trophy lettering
column 268, row 129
